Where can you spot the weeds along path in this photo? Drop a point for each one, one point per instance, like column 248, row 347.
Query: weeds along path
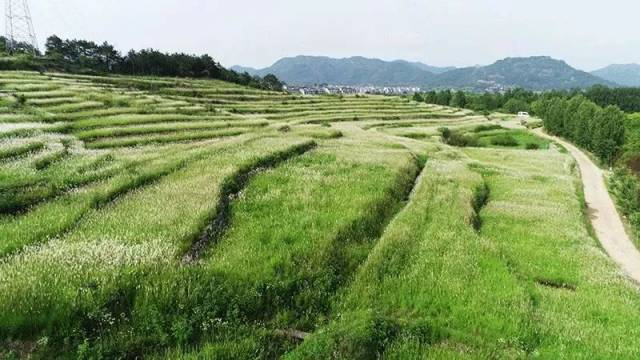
column 604, row 216
column 535, row 222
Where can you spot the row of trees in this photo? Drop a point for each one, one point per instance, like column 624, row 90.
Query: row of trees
column 600, row 130
column 627, row 99
column 511, row 101
column 90, row 57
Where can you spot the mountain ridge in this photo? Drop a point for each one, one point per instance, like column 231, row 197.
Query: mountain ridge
column 623, row 74
column 533, row 73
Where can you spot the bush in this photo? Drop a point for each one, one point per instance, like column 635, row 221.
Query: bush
column 504, row 140
column 481, row 128
column 461, row 140
column 625, row 187
column 532, row 146
column 445, row 133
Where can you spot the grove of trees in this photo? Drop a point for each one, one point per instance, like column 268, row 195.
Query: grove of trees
column 83, row 56
column 599, row 130
column 87, row 55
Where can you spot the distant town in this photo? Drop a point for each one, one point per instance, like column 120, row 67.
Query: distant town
column 324, row 89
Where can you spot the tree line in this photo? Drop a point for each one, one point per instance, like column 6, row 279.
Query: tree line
column 515, row 100
column 590, row 126
column 83, row 56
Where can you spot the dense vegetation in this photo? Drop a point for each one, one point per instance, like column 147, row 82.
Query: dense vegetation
column 599, row 130
column 147, row 217
column 515, row 100
column 82, row 56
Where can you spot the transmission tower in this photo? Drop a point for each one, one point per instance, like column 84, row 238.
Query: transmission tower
column 19, row 26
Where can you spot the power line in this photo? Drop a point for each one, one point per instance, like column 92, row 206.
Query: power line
column 19, row 25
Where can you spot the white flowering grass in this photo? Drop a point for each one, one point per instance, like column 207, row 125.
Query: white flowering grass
column 149, row 227
column 535, row 221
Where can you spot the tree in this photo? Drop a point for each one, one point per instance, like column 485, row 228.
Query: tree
column 54, row 47
column 417, row 97
column 444, row 98
column 271, row 82
column 571, row 120
column 459, row 99
column 431, row 97
column 515, row 105
column 608, row 134
column 584, row 124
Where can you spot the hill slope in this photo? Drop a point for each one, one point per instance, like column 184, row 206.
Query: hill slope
column 307, row 70
column 623, row 74
column 534, row 73
column 203, row 219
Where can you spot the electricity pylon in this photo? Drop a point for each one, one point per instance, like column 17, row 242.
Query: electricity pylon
column 19, row 26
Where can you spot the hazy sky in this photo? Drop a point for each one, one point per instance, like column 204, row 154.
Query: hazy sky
column 586, row 33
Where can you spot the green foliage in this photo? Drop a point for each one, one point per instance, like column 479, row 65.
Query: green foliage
column 504, row 140
column 625, row 186
column 514, row 106
column 627, row 99
column 601, row 131
column 344, row 242
column 88, row 57
column 459, row 99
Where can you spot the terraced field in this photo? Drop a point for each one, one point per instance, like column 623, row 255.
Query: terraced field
column 162, row 218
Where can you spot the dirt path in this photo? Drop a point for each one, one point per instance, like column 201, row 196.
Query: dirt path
column 604, row 216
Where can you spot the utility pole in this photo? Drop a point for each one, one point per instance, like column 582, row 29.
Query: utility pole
column 19, row 26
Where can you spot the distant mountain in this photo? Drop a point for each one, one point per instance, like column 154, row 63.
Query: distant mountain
column 626, row 75
column 308, row 70
column 533, row 73
column 243, row 69
column 429, row 68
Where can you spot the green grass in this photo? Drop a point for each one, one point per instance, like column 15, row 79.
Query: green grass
column 9, row 152
column 520, row 139
column 179, row 218
column 124, row 239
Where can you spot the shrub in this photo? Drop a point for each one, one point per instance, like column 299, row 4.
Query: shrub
column 481, row 128
column 445, row 133
column 532, row 146
column 504, row 140
column 461, row 140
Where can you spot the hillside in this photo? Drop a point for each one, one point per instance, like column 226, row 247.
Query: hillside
column 533, row 73
column 150, row 217
column 309, row 70
column 626, row 75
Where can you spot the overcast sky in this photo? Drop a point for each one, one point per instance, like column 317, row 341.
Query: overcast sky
column 587, row 34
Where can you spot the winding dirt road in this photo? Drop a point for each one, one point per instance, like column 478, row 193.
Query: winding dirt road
column 604, row 216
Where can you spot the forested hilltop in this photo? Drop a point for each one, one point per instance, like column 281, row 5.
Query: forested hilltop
column 88, row 57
